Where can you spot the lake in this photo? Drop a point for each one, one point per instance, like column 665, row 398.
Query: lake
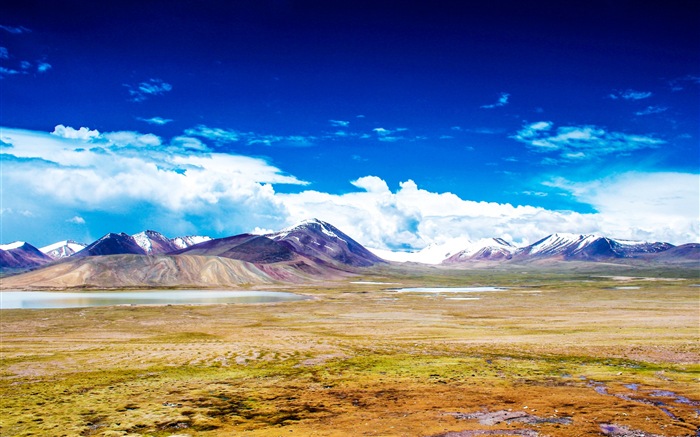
column 44, row 299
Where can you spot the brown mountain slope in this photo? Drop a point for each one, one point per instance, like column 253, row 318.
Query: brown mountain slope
column 144, row 271
column 115, row 271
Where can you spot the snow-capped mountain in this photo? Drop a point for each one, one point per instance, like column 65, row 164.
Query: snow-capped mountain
column 587, row 247
column 62, row 249
column 324, row 242
column 244, row 247
column 112, row 244
column 144, row 243
column 154, row 243
column 487, row 249
column 189, row 240
column 20, row 255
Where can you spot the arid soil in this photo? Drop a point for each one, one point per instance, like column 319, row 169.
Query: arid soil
column 553, row 355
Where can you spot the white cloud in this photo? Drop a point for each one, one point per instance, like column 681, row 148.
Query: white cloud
column 131, row 139
column 76, row 134
column 630, row 95
column 126, row 173
column 339, row 123
column 43, row 67
column 159, row 121
column 652, row 110
column 7, row 72
column 582, row 142
column 4, row 53
column 15, row 29
column 680, row 83
column 656, row 206
column 502, row 101
column 144, row 90
column 215, row 134
column 413, row 218
column 76, row 220
column 224, row 136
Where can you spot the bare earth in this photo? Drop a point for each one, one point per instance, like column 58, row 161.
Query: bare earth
column 554, row 355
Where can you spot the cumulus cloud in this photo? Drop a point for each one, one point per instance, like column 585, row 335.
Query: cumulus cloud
column 502, row 101
column 413, row 218
column 82, row 133
column 630, row 95
column 144, row 90
column 581, row 142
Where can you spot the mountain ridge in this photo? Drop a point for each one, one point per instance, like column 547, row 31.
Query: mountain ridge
column 318, row 247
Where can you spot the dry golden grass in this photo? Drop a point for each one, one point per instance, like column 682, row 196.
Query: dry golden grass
column 556, row 355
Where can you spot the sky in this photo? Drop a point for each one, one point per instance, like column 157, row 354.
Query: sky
column 402, row 123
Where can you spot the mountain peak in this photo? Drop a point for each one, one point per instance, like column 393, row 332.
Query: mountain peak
column 62, row 249
column 312, row 224
column 319, row 240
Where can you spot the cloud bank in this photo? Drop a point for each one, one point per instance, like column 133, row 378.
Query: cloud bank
column 128, row 181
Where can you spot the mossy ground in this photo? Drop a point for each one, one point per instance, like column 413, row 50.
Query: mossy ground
column 361, row 359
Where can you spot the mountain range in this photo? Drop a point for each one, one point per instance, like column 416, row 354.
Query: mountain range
column 310, row 250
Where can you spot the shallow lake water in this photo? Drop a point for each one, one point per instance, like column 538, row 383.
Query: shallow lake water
column 448, row 289
column 44, row 299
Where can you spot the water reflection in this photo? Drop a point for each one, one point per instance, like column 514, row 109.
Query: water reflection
column 43, row 299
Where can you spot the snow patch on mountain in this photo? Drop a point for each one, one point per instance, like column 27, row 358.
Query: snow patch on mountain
column 10, row 246
column 62, row 249
column 144, row 241
column 558, row 242
column 189, row 240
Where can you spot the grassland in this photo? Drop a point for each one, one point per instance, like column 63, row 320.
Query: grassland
column 576, row 352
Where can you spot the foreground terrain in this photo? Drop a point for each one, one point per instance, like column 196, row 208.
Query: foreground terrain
column 567, row 353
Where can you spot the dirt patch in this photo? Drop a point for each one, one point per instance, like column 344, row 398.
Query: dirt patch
column 501, row 432
column 613, row 430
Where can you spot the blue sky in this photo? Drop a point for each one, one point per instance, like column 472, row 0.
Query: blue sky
column 403, row 123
